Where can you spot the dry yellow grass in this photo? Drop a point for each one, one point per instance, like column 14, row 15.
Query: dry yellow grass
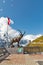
column 35, row 46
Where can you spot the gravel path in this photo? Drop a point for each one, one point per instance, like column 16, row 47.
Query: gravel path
column 21, row 59
column 30, row 61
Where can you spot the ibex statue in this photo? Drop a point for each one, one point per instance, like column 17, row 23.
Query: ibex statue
column 17, row 39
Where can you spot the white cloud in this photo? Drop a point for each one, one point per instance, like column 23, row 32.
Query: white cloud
column 4, row 20
column 31, row 37
column 11, row 21
column 3, row 24
column 3, row 29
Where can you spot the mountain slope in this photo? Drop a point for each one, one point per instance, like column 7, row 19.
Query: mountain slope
column 28, row 38
column 37, row 42
column 40, row 39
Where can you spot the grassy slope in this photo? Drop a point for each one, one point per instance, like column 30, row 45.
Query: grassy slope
column 37, row 42
column 40, row 39
column 35, row 46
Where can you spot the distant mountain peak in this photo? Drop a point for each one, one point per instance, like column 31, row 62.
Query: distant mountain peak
column 31, row 37
column 28, row 38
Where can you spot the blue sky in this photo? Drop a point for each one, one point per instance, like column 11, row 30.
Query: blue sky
column 27, row 14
